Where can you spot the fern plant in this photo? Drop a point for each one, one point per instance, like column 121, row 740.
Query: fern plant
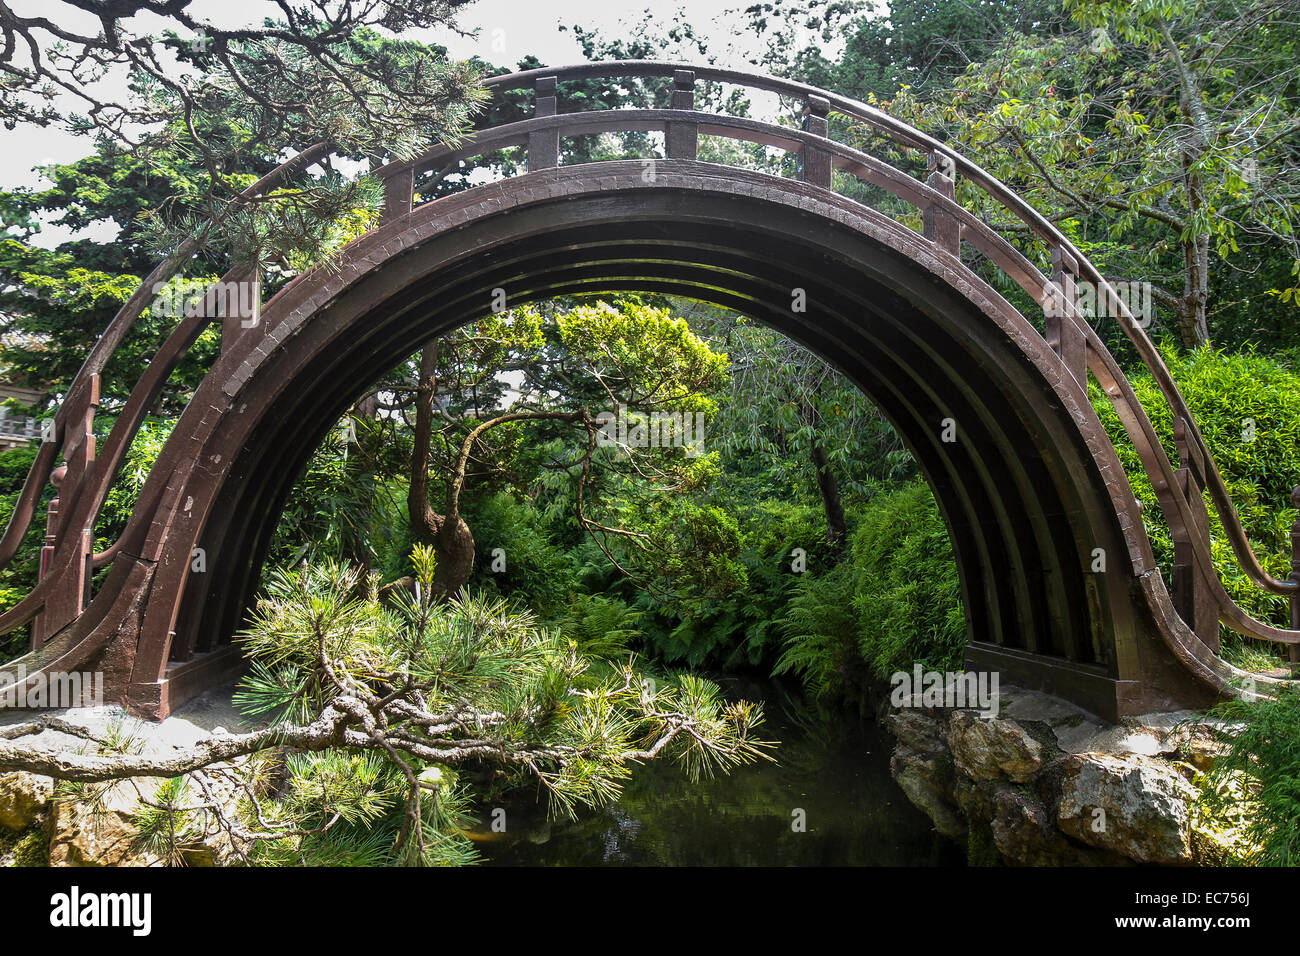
column 1257, row 780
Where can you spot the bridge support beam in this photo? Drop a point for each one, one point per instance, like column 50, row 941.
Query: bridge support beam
column 682, row 140
column 936, row 224
column 72, row 593
column 816, row 166
column 1294, row 649
column 1191, row 594
column 544, row 146
column 1062, row 329
column 241, row 311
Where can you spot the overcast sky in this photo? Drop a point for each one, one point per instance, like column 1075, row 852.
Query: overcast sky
column 507, row 30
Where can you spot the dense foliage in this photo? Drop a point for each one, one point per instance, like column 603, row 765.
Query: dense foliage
column 1253, row 789
column 1248, row 407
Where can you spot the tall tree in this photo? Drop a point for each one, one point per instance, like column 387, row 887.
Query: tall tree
column 1163, row 133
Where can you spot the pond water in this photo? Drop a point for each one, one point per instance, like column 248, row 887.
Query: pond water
column 832, row 765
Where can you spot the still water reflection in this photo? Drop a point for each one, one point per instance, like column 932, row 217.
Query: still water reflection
column 830, row 764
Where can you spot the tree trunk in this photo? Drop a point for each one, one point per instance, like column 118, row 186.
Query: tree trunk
column 1193, row 321
column 452, row 541
column 836, row 527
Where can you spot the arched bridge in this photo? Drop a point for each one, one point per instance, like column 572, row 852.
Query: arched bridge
column 1030, row 486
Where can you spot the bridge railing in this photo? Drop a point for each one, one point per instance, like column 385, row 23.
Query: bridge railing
column 944, row 223
column 83, row 482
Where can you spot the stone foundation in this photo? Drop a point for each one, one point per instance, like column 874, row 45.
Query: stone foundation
column 1044, row 783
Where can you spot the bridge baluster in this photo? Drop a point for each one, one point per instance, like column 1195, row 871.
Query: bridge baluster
column 1063, row 332
column 399, row 194
column 1294, row 649
column 71, row 593
column 816, row 166
column 936, row 225
column 544, row 145
column 1191, row 595
column 240, row 306
column 682, row 140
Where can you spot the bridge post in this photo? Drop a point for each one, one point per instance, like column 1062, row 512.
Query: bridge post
column 682, row 140
column 71, row 594
column 1192, row 598
column 816, row 166
column 544, row 146
column 241, row 312
column 936, row 225
column 1294, row 649
column 399, row 194
column 1062, row 324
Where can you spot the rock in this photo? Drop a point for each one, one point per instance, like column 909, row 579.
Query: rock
column 927, row 780
column 1201, row 752
column 990, row 748
column 1134, row 805
column 1072, row 726
column 1026, row 835
column 1023, row 831
column 917, row 731
column 22, row 797
column 1131, row 740
column 80, row 836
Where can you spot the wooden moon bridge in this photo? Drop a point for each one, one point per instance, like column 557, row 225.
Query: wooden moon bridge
column 1031, row 488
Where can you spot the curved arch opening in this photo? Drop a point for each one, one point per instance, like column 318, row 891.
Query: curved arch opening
column 962, row 377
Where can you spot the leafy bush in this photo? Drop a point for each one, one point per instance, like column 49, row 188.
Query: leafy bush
column 724, row 608
column 539, row 574
column 907, row 595
column 896, row 601
column 820, row 635
column 600, row 626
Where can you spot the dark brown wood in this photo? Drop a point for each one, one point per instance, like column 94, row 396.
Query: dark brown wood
column 938, row 224
column 399, row 190
column 241, row 306
column 816, row 169
column 682, row 140
column 544, row 145
column 1294, row 649
column 1063, row 322
column 1192, row 595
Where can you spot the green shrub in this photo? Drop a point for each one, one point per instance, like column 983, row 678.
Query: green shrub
column 1248, row 408
column 538, row 573
column 734, row 582
column 819, row 629
column 907, row 596
column 600, row 626
column 895, row 602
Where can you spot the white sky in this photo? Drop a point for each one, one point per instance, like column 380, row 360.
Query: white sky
column 507, row 30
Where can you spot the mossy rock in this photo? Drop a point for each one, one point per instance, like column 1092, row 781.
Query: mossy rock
column 27, row 847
